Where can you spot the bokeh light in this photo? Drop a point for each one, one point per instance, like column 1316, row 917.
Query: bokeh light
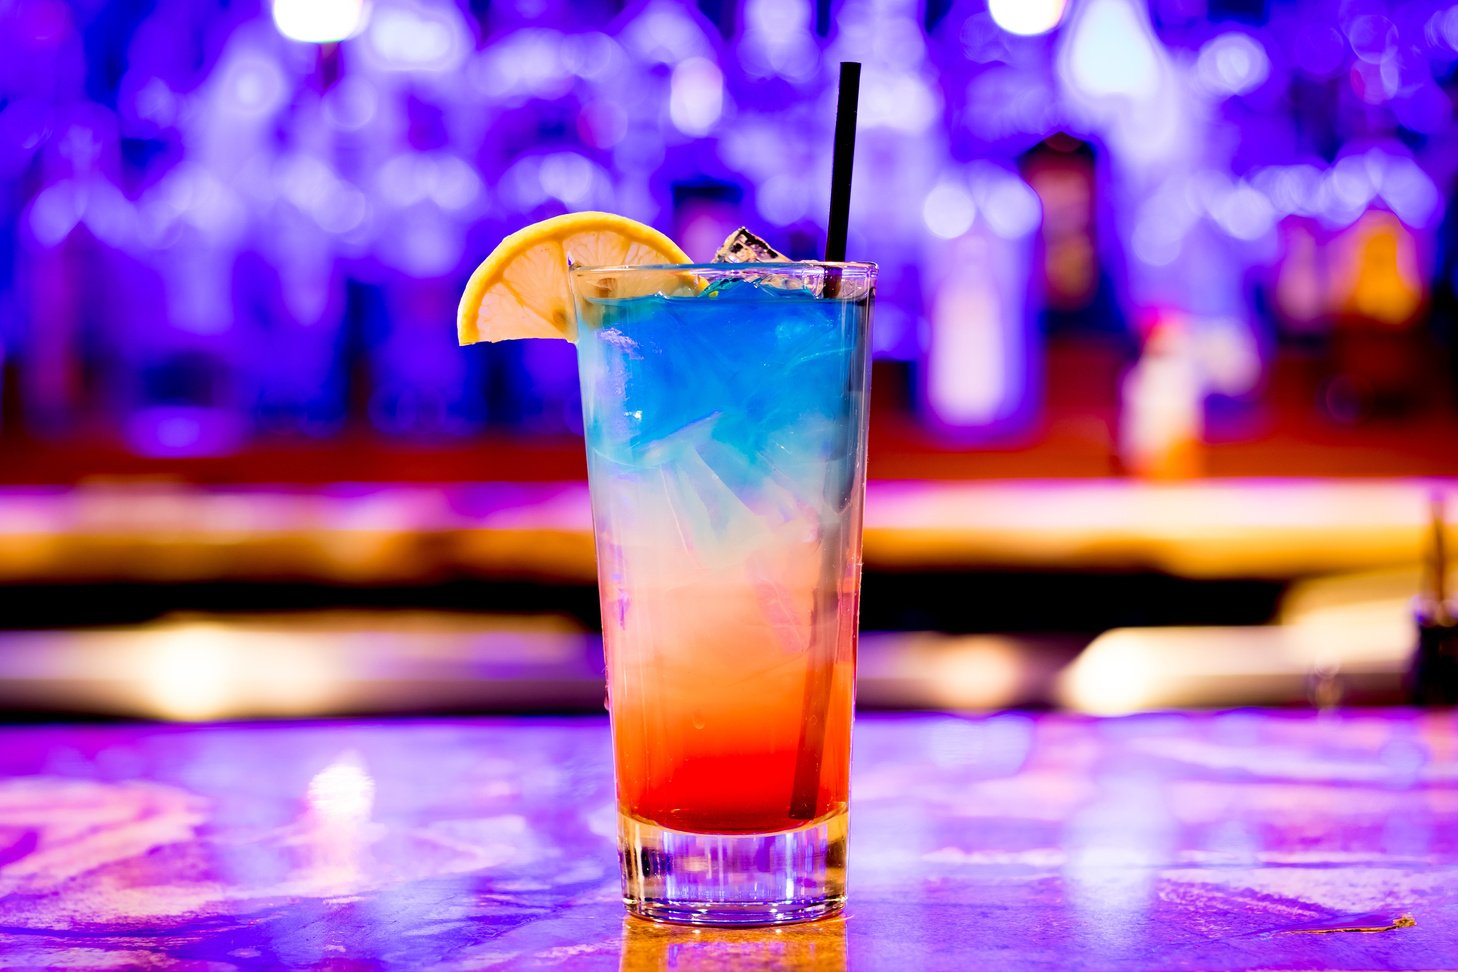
column 1027, row 17
column 319, row 21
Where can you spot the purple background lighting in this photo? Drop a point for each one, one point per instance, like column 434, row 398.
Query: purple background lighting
column 214, row 233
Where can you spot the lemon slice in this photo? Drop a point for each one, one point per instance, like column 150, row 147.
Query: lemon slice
column 521, row 290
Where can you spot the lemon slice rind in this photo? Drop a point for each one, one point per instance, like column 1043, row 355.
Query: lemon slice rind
column 521, row 289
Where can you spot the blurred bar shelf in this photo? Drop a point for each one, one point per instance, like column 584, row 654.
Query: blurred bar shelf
column 204, row 667
column 413, row 533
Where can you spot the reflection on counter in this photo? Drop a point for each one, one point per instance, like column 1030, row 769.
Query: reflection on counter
column 814, row 947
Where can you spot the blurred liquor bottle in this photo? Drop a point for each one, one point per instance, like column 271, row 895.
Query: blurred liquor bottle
column 1087, row 342
column 183, row 387
column 79, row 284
column 982, row 371
column 1381, row 358
column 1161, row 422
column 1433, row 675
column 420, row 385
column 1434, row 672
column 191, row 358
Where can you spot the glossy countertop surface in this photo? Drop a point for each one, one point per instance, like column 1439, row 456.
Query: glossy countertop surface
column 1216, row 841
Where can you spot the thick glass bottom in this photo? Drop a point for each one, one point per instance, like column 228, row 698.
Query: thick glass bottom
column 733, row 879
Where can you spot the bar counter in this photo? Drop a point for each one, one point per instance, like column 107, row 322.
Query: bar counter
column 1245, row 839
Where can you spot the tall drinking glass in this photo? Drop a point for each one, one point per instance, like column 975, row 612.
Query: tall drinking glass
column 725, row 416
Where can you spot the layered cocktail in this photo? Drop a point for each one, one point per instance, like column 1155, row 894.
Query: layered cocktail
column 725, row 414
column 725, row 419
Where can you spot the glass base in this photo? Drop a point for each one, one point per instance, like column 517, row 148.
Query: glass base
column 733, row 879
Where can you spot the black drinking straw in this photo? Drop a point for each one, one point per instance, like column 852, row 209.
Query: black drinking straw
column 841, row 162
column 825, row 641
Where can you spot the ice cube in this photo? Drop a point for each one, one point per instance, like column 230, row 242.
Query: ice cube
column 720, row 526
column 742, row 246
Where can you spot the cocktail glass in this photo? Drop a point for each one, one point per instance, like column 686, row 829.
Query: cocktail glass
column 725, row 418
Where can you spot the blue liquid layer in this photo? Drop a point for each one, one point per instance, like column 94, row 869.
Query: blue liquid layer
column 748, row 397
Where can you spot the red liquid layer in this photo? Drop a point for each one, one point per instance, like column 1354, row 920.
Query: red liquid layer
column 731, row 781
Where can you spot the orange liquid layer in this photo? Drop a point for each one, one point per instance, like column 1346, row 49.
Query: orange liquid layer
column 732, row 703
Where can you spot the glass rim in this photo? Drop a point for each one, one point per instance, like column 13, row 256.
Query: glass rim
column 794, row 266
